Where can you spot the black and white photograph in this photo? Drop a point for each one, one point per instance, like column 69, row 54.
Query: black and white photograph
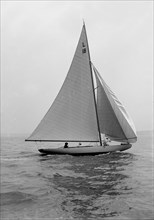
column 77, row 110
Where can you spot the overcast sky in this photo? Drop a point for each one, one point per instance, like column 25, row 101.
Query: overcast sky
column 38, row 41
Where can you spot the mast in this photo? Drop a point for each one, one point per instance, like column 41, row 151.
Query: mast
column 93, row 87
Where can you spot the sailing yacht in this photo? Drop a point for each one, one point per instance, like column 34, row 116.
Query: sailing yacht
column 85, row 113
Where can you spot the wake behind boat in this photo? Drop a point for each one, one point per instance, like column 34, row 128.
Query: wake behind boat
column 84, row 110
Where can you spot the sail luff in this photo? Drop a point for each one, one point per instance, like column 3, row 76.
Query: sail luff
column 92, row 80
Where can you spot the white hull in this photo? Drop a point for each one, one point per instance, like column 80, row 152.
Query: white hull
column 86, row 150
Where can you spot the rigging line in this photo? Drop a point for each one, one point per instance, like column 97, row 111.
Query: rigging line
column 96, row 88
column 93, row 88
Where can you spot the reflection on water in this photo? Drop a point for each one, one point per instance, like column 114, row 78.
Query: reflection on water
column 89, row 185
column 110, row 186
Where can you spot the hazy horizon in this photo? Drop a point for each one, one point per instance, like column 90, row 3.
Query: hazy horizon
column 38, row 41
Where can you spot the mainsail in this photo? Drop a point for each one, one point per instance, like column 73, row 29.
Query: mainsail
column 114, row 120
column 72, row 116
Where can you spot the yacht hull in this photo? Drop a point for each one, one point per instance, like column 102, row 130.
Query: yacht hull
column 86, row 150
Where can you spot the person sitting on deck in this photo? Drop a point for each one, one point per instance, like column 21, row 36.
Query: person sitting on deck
column 66, row 145
column 105, row 143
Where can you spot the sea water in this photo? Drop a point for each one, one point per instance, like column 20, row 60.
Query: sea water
column 110, row 186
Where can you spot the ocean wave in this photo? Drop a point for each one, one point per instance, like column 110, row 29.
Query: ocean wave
column 17, row 158
column 16, row 197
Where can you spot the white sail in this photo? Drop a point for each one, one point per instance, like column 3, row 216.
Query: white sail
column 114, row 121
column 72, row 116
